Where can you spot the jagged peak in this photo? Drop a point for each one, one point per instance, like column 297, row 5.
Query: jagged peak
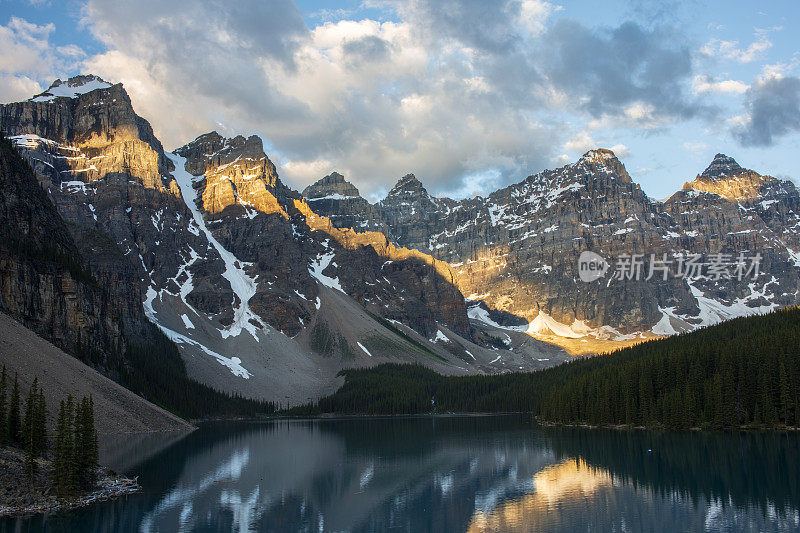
column 599, row 155
column 408, row 185
column 333, row 177
column 212, row 144
column 211, row 135
column 726, row 178
column 722, row 167
column 333, row 186
column 605, row 159
column 207, row 144
column 72, row 87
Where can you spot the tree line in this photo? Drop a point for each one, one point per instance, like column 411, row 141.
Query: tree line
column 743, row 372
column 74, row 449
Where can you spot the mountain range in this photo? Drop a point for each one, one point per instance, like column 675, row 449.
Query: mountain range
column 269, row 292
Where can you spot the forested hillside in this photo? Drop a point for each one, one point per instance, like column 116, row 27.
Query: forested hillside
column 742, row 372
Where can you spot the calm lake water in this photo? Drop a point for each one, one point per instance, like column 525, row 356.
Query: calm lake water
column 495, row 473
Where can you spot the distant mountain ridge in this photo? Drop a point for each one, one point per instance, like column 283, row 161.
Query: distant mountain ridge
column 269, row 293
column 516, row 250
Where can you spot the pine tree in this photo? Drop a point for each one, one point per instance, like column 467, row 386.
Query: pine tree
column 3, row 417
column 35, row 424
column 30, row 405
column 13, row 425
column 60, row 453
column 785, row 394
column 40, row 424
column 70, row 447
column 85, row 444
column 93, row 452
column 29, row 438
column 64, row 471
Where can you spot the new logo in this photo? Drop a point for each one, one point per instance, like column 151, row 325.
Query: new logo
column 591, row 266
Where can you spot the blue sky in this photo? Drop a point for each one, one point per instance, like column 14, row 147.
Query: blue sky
column 468, row 95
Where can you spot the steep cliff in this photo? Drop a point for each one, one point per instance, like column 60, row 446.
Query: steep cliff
column 43, row 283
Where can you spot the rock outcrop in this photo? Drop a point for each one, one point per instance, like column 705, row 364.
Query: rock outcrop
column 342, row 203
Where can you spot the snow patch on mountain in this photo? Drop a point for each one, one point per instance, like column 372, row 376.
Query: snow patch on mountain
column 186, row 321
column 440, row 337
column 335, row 196
column 365, row 350
column 321, row 263
column 242, row 285
column 67, row 90
column 664, row 326
column 714, row 311
column 234, row 364
column 544, row 324
column 794, row 257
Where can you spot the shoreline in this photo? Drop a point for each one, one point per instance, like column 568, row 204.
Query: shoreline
column 535, row 420
column 696, row 429
column 356, row 416
column 109, row 487
column 22, row 495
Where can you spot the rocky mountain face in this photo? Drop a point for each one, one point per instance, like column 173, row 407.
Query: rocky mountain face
column 269, row 293
column 43, row 283
column 275, row 230
column 109, row 177
column 341, row 202
column 233, row 266
column 517, row 250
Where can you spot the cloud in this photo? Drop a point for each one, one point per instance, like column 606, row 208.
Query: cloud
column 772, row 110
column 731, row 49
column 621, row 151
column 27, row 57
column 580, row 143
column 16, row 88
column 695, row 147
column 494, row 27
column 24, row 46
column 703, row 83
column 460, row 93
column 628, row 67
column 189, row 65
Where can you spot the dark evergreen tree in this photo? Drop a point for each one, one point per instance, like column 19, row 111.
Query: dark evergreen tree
column 35, row 422
column 60, row 472
column 29, row 439
column 40, row 424
column 14, row 427
column 3, row 416
column 85, row 444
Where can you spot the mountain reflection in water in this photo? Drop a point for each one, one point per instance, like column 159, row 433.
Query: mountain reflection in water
column 452, row 474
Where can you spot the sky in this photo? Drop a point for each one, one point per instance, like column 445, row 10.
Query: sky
column 468, row 95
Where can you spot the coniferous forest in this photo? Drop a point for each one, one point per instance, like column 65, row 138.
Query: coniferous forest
column 743, row 372
column 73, row 448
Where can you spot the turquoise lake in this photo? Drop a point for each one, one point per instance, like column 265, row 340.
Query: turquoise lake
column 449, row 473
